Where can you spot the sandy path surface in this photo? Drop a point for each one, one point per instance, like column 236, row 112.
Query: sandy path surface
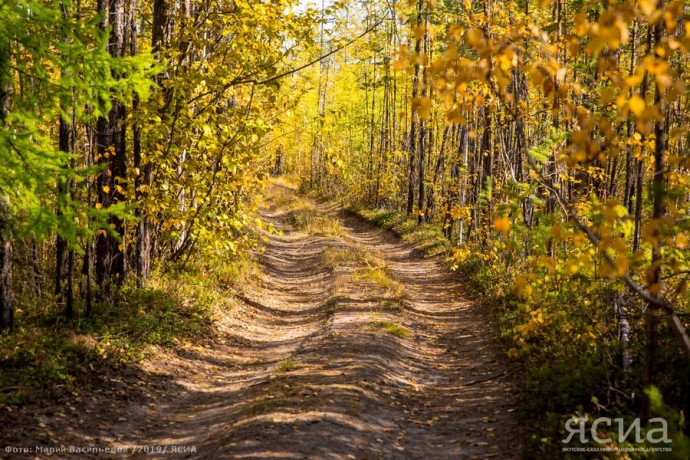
column 320, row 360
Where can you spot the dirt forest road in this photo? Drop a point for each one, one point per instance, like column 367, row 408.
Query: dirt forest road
column 325, row 361
column 348, row 345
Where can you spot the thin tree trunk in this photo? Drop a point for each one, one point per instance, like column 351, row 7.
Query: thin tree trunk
column 658, row 211
column 6, row 297
column 142, row 171
column 630, row 129
column 61, row 246
column 110, row 254
column 423, row 132
column 413, row 119
column 66, row 143
column 640, row 163
column 438, row 173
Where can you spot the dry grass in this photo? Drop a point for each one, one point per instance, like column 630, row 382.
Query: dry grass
column 352, row 255
column 380, row 276
column 337, row 257
column 389, row 327
column 394, row 305
column 323, row 226
column 339, row 285
column 304, row 215
column 287, row 366
column 288, row 181
column 374, row 270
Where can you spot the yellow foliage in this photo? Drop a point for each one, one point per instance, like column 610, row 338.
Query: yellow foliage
column 502, row 225
column 636, row 105
column 622, row 264
column 422, row 107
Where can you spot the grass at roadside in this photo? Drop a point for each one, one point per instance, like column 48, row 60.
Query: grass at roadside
column 39, row 359
column 427, row 238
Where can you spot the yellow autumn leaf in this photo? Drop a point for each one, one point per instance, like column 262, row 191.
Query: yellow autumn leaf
column 647, row 7
column 422, row 106
column 502, row 225
column 419, row 30
column 636, row 105
column 581, row 25
column 622, row 265
column 475, row 37
column 664, row 81
column 654, row 289
column 604, row 270
column 572, row 268
column 633, row 80
column 400, row 64
column 522, row 287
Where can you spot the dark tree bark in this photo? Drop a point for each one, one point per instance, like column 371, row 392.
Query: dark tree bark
column 640, row 164
column 61, row 243
column 658, row 211
column 414, row 118
column 38, row 291
column 160, row 21
column 630, row 130
column 423, row 142
column 6, row 297
column 63, row 280
column 142, row 179
column 63, row 272
column 372, row 125
column 438, row 170
column 487, row 159
column 110, row 255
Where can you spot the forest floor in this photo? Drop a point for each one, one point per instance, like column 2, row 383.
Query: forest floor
column 349, row 344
